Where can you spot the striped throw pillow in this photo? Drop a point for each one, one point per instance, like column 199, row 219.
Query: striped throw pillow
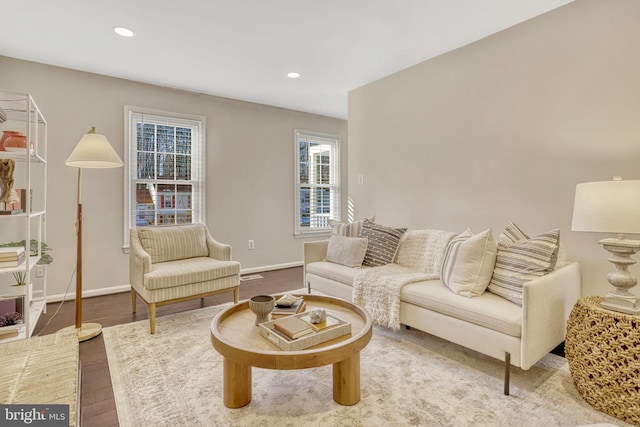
column 351, row 229
column 383, row 243
column 521, row 259
column 468, row 263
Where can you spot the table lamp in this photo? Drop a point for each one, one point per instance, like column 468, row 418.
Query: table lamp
column 612, row 207
column 94, row 152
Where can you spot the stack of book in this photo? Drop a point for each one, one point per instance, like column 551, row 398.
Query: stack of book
column 11, row 257
column 282, row 311
column 293, row 327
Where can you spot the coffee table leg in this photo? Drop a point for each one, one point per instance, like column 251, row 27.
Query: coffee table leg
column 346, row 381
column 237, row 384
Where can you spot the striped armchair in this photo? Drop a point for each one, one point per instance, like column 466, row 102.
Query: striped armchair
column 169, row 264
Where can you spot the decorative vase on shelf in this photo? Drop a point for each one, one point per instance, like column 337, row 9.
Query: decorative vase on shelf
column 5, row 135
column 15, row 143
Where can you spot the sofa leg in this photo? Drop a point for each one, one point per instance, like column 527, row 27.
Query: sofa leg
column 152, row 317
column 507, row 370
column 236, row 294
column 133, row 301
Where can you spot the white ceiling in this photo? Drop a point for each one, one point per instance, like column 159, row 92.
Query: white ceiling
column 243, row 49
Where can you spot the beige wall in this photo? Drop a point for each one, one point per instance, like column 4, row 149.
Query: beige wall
column 503, row 129
column 249, row 169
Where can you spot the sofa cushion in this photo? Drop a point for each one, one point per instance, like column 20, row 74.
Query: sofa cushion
column 468, row 263
column 167, row 243
column 521, row 259
column 382, row 243
column 487, row 310
column 333, row 271
column 351, row 229
column 348, row 251
column 170, row 274
column 422, row 250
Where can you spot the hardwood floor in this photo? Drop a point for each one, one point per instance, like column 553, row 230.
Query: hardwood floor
column 98, row 408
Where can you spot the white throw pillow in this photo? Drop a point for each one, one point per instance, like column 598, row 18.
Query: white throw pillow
column 347, row 251
column 468, row 263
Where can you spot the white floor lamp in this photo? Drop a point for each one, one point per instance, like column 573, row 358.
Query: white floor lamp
column 93, row 152
column 613, row 207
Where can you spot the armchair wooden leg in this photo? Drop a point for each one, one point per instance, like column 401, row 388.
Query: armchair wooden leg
column 507, row 369
column 236, row 294
column 133, row 301
column 152, row 317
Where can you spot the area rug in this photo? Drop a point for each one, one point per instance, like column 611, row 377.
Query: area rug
column 408, row 378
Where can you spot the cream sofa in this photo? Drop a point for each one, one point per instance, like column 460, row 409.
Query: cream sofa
column 487, row 323
column 169, row 264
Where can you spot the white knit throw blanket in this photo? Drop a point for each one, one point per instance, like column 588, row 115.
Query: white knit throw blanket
column 378, row 288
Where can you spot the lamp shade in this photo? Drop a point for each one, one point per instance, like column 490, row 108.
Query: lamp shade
column 94, row 151
column 607, row 207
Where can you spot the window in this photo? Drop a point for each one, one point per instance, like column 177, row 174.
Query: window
column 317, row 198
column 164, row 166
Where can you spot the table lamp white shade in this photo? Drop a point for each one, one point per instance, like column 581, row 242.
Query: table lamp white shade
column 94, row 151
column 613, row 207
column 607, row 207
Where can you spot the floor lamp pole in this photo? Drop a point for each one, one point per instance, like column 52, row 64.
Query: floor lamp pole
column 79, row 255
column 85, row 331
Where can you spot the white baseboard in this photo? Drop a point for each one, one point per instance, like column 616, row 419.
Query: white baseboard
column 270, row 267
column 116, row 289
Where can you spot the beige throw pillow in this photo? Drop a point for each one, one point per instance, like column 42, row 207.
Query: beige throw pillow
column 468, row 263
column 348, row 251
column 351, row 229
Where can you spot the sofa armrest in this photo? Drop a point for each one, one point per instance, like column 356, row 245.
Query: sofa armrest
column 315, row 251
column 139, row 260
column 217, row 250
column 546, row 303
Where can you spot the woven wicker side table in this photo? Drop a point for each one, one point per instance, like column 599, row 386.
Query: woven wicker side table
column 603, row 351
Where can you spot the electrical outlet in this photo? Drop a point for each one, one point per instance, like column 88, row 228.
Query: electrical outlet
column 39, row 270
column 251, row 245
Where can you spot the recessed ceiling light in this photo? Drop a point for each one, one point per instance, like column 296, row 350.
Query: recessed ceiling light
column 123, row 31
column 293, row 75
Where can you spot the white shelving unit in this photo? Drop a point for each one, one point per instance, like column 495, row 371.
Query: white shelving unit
column 30, row 174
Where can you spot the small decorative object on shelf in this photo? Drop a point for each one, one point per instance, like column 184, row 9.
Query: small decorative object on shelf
column 261, row 306
column 10, row 319
column 7, row 166
column 5, row 135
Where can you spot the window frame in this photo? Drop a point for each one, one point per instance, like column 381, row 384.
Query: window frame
column 335, row 180
column 197, row 167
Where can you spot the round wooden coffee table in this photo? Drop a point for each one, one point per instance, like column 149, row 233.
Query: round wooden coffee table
column 238, row 340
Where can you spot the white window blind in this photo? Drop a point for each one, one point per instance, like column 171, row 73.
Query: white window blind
column 317, row 185
column 164, row 166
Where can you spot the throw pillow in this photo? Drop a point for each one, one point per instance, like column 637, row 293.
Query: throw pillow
column 348, row 251
column 521, row 259
column 351, row 229
column 382, row 243
column 468, row 263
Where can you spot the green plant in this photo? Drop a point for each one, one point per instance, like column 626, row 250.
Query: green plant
column 45, row 258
